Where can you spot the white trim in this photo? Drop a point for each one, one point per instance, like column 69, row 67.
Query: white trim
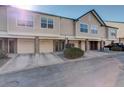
column 16, row 36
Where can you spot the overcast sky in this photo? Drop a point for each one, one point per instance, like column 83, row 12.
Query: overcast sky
column 109, row 13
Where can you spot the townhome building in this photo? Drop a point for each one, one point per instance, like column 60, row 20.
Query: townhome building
column 24, row 31
column 120, row 32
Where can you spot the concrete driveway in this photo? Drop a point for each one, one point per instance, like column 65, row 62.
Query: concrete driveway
column 27, row 61
column 96, row 72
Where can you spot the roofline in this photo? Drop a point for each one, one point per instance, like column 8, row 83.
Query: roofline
column 91, row 11
column 62, row 16
column 115, row 22
column 99, row 16
column 39, row 12
column 111, row 27
column 84, row 14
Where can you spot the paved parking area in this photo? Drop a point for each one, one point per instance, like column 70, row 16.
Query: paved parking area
column 96, row 72
column 28, row 61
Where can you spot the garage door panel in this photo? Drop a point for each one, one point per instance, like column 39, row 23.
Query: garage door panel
column 46, row 46
column 25, row 46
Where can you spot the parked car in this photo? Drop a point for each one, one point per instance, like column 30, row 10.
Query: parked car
column 118, row 46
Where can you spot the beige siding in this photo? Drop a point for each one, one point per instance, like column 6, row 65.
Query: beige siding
column 46, row 46
column 122, row 40
column 66, row 27
column 120, row 32
column 13, row 28
column 75, row 42
column 110, row 37
column 89, row 19
column 3, row 18
column 25, row 46
column 107, row 42
column 36, row 30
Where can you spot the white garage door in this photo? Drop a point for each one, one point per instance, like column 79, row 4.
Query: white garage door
column 25, row 45
column 46, row 46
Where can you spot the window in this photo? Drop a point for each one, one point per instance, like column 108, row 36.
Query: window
column 46, row 23
column 43, row 22
column 113, row 33
column 50, row 23
column 84, row 28
column 94, row 29
column 26, row 21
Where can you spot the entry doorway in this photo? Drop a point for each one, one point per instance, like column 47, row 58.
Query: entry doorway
column 59, row 45
column 79, row 44
column 1, row 44
column 93, row 45
column 11, row 46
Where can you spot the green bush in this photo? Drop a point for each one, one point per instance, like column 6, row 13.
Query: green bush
column 3, row 54
column 116, row 49
column 72, row 53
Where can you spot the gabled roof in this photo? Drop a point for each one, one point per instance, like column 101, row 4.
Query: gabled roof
column 95, row 14
column 111, row 27
column 115, row 22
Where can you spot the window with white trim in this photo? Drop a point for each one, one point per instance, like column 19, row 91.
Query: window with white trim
column 43, row 22
column 84, row 28
column 25, row 20
column 113, row 32
column 50, row 23
column 46, row 23
column 94, row 29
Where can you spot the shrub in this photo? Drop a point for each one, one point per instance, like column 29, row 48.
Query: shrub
column 3, row 54
column 116, row 49
column 72, row 53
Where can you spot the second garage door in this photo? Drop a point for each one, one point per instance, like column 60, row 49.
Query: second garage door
column 46, row 46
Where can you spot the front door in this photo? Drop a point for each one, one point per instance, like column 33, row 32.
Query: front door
column 11, row 46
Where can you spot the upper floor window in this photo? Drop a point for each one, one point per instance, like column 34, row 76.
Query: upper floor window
column 84, row 28
column 50, row 23
column 44, row 22
column 25, row 20
column 94, row 29
column 113, row 33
